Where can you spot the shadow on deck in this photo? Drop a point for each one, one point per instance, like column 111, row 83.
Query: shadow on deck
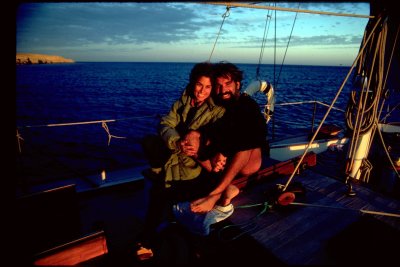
column 61, row 216
column 290, row 235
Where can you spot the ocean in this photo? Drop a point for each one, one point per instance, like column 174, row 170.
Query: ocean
column 134, row 96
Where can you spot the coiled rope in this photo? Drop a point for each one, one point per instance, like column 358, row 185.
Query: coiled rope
column 367, row 106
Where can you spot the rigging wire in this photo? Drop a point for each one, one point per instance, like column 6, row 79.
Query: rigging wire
column 224, row 16
column 376, row 120
column 388, row 71
column 276, row 79
column 287, row 47
column 275, row 50
column 273, row 117
column 328, row 111
column 390, row 112
column 263, row 43
column 387, row 153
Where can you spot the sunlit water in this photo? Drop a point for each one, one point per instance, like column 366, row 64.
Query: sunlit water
column 135, row 95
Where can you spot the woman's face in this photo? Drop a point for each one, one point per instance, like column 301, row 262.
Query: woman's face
column 202, row 89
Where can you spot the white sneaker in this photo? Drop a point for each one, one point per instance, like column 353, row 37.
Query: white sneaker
column 199, row 223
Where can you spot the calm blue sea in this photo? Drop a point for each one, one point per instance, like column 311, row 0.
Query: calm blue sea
column 135, row 95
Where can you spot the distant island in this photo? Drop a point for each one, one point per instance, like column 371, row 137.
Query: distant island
column 27, row 58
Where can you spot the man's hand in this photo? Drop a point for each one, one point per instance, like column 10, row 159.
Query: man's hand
column 218, row 162
column 190, row 144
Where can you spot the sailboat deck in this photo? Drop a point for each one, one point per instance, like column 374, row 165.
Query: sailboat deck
column 336, row 232
column 331, row 231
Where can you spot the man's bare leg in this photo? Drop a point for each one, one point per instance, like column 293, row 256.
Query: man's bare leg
column 230, row 192
column 244, row 162
column 253, row 165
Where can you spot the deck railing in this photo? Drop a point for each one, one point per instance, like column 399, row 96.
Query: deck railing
column 96, row 154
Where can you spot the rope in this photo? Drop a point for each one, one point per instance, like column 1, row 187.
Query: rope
column 387, row 152
column 248, row 226
column 104, row 125
column 224, row 16
column 349, row 209
column 388, row 71
column 307, row 102
column 19, row 139
column 273, row 117
column 85, row 122
column 326, row 115
column 366, row 110
column 365, row 170
column 275, row 18
column 69, row 123
column 390, row 112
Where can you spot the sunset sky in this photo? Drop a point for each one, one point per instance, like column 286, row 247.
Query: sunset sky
column 186, row 32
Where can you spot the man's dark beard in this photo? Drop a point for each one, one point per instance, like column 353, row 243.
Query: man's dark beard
column 225, row 102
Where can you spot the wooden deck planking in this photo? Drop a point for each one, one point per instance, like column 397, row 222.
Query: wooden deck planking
column 300, row 234
column 293, row 235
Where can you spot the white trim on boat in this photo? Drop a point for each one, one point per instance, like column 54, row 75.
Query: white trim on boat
column 292, row 147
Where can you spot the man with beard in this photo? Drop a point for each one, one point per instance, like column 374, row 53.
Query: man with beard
column 239, row 136
column 235, row 141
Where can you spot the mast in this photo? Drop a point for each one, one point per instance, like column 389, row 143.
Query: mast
column 372, row 84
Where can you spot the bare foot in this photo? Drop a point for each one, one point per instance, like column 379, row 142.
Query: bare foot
column 204, row 204
column 230, row 192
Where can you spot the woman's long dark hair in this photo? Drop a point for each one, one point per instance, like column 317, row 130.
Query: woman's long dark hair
column 200, row 69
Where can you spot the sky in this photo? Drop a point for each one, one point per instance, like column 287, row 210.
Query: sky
column 187, row 32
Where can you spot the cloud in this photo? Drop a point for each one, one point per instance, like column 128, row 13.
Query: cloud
column 96, row 31
column 74, row 24
column 337, row 40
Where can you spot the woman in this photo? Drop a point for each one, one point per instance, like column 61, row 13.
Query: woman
column 192, row 111
column 176, row 171
column 171, row 155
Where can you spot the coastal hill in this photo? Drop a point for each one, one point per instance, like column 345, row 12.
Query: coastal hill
column 27, row 58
